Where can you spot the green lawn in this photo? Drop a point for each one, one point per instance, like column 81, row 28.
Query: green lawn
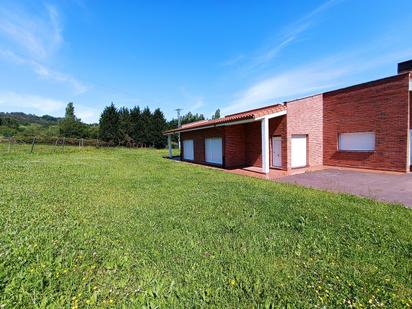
column 118, row 226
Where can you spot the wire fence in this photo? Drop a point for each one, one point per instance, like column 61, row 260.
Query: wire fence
column 35, row 144
column 10, row 145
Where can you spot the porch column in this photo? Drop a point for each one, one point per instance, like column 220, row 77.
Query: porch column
column 265, row 145
column 169, row 142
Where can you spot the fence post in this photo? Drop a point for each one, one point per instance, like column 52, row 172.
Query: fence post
column 97, row 143
column 79, row 143
column 64, row 140
column 8, row 149
column 32, row 144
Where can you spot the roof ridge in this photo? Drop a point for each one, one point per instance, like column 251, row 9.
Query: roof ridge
column 255, row 109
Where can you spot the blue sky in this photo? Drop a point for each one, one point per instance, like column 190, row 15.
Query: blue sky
column 196, row 55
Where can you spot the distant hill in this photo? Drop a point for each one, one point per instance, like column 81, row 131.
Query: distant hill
column 25, row 119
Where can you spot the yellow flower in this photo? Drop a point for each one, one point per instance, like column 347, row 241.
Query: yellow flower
column 232, row 282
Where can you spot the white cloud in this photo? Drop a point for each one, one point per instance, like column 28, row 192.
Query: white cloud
column 36, row 35
column 32, row 39
column 292, row 32
column 284, row 38
column 193, row 102
column 311, row 79
column 292, row 83
column 12, row 101
column 233, row 60
column 198, row 103
column 87, row 114
column 56, row 27
column 44, row 72
column 40, row 105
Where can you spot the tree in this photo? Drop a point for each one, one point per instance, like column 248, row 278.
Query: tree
column 146, row 122
column 124, row 133
column 136, row 125
column 70, row 111
column 92, row 131
column 158, row 126
column 188, row 118
column 9, row 122
column 71, row 126
column 217, row 114
column 109, row 125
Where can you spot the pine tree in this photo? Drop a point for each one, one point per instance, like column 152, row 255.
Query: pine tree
column 146, row 121
column 70, row 112
column 109, row 125
column 188, row 118
column 124, row 133
column 71, row 126
column 217, row 114
column 136, row 125
column 158, row 126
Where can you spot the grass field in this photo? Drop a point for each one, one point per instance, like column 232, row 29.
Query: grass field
column 106, row 227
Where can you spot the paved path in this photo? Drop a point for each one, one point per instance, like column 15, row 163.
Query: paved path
column 395, row 188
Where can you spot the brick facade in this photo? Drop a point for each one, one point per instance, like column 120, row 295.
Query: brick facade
column 198, row 138
column 410, row 122
column 305, row 116
column 381, row 107
column 253, row 144
column 277, row 127
column 235, row 146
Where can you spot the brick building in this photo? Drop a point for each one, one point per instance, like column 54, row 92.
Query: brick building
column 363, row 126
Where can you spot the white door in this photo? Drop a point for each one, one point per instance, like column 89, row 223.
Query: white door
column 299, row 150
column 188, row 153
column 213, row 150
column 277, row 151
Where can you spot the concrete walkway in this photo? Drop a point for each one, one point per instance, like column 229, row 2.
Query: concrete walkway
column 395, row 188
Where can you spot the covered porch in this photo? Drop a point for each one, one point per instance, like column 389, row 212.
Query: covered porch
column 254, row 145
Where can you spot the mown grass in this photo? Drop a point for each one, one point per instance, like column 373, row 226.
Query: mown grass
column 105, row 227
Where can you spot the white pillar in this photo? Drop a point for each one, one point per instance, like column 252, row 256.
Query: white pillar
column 265, row 145
column 169, row 142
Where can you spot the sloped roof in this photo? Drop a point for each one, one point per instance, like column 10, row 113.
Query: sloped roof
column 250, row 114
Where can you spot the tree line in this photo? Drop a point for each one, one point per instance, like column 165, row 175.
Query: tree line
column 132, row 127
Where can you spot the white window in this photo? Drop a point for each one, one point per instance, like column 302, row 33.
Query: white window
column 213, row 150
column 360, row 141
column 188, row 153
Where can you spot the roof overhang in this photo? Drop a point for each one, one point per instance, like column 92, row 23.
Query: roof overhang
column 274, row 115
column 224, row 124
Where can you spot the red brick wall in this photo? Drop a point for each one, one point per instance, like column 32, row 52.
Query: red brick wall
column 410, row 120
column 198, row 137
column 305, row 116
column 253, row 140
column 381, row 107
column 277, row 127
column 253, row 144
column 234, row 146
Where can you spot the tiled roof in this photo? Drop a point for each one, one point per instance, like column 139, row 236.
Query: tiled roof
column 251, row 114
